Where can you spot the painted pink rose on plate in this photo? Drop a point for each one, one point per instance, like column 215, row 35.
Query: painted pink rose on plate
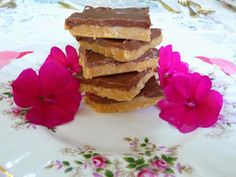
column 99, row 161
column 147, row 173
column 160, row 164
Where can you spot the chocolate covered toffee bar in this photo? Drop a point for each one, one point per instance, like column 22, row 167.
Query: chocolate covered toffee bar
column 121, row 87
column 103, row 22
column 121, row 49
column 95, row 64
column 148, row 96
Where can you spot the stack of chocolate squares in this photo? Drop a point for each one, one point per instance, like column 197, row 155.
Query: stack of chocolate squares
column 117, row 56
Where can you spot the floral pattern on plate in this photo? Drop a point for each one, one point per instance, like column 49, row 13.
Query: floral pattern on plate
column 145, row 159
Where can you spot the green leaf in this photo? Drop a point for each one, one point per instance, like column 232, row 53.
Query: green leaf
column 66, row 5
column 78, row 162
column 143, row 145
column 8, row 94
column 140, row 167
column 131, row 165
column 164, row 157
column 52, row 129
column 95, row 154
column 156, row 157
column 99, row 169
column 140, row 161
column 146, row 140
column 148, row 153
column 66, row 163
column 141, row 154
column 127, row 139
column 108, row 173
column 172, row 158
column 129, row 159
column 168, row 159
column 87, row 156
column 169, row 170
column 68, row 170
column 108, row 162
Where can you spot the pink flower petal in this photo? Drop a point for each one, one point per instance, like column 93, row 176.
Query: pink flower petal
column 226, row 66
column 173, row 94
column 7, row 56
column 52, row 78
column 203, row 88
column 205, row 59
column 57, row 55
column 26, row 88
column 210, row 108
column 192, row 82
column 69, row 101
column 171, row 112
column 21, row 54
column 48, row 115
column 189, row 122
column 169, row 65
column 180, row 82
column 73, row 59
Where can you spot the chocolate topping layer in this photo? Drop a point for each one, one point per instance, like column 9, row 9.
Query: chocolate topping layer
column 103, row 16
column 151, row 90
column 121, row 43
column 94, row 59
column 124, row 81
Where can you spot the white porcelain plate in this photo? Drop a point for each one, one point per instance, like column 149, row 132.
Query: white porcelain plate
column 114, row 145
column 124, row 144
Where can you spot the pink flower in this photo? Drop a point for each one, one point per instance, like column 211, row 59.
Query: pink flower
column 169, row 65
column 71, row 61
column 190, row 102
column 160, row 164
column 147, row 173
column 52, row 95
column 99, row 161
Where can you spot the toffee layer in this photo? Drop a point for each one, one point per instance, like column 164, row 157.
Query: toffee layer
column 136, row 103
column 95, row 65
column 147, row 97
column 118, row 43
column 117, row 32
column 121, row 89
column 150, row 90
column 125, row 51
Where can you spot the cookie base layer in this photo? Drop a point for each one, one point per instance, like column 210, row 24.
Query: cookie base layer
column 117, row 32
column 110, row 69
column 136, row 103
column 114, row 93
column 118, row 54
